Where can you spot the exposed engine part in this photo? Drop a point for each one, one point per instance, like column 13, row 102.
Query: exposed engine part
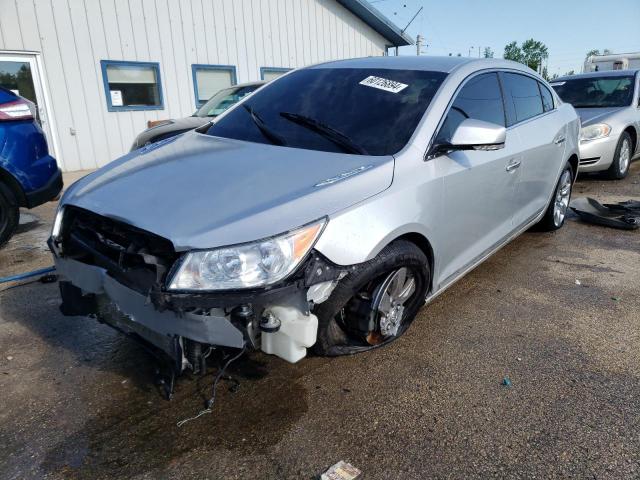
column 244, row 318
column 297, row 333
column 220, row 376
column 196, row 356
column 320, row 292
column 269, row 323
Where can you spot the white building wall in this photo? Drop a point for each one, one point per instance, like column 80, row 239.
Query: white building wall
column 72, row 37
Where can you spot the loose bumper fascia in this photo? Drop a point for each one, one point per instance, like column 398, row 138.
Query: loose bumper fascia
column 211, row 327
column 200, row 316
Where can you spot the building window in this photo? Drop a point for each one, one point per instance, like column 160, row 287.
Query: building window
column 132, row 85
column 210, row 79
column 270, row 73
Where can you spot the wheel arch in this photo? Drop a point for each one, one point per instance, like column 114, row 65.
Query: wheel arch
column 574, row 161
column 631, row 130
column 12, row 184
column 423, row 243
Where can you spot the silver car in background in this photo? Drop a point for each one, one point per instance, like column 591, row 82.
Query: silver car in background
column 609, row 106
column 322, row 210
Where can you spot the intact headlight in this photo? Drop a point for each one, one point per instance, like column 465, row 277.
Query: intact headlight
column 594, row 132
column 249, row 265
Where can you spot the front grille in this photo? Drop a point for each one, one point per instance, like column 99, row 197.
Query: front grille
column 134, row 257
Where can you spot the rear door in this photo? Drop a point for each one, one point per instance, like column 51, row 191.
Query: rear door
column 532, row 116
column 479, row 186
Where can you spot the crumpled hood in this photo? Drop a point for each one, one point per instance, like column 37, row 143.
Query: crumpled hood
column 201, row 192
column 591, row 116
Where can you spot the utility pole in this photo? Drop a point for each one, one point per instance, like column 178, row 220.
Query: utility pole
column 419, row 42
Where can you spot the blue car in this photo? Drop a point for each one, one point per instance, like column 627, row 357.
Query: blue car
column 29, row 176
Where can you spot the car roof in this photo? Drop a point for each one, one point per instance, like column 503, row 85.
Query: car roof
column 423, row 62
column 600, row 73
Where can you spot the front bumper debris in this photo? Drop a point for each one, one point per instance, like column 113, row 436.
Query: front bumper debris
column 117, row 273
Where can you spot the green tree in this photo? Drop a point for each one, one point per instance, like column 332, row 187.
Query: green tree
column 531, row 53
column 488, row 52
column 545, row 74
column 534, row 52
column 513, row 52
column 570, row 72
column 593, row 52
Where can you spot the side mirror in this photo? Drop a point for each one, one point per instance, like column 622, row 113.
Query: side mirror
column 474, row 134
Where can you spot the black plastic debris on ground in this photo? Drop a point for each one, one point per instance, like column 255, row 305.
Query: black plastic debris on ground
column 622, row 215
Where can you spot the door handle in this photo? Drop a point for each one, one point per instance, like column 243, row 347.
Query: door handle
column 512, row 165
column 560, row 140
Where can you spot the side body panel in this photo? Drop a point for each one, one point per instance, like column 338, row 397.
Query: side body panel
column 416, row 201
column 543, row 141
column 478, row 195
column 25, row 155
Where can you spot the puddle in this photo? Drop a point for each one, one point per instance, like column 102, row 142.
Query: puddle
column 137, row 433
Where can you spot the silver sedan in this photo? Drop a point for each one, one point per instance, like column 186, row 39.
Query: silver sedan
column 322, row 210
column 609, row 106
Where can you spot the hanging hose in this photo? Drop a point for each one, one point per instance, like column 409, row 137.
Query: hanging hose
column 23, row 276
column 209, row 403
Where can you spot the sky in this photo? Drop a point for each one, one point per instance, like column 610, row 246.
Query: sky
column 569, row 28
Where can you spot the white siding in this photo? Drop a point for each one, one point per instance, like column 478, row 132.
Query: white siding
column 72, row 37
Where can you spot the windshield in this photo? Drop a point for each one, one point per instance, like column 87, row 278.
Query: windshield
column 223, row 100
column 596, row 92
column 354, row 110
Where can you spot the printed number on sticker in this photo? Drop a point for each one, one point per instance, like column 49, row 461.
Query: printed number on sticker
column 384, row 84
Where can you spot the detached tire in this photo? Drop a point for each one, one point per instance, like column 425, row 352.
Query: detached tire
column 621, row 158
column 9, row 214
column 557, row 210
column 375, row 303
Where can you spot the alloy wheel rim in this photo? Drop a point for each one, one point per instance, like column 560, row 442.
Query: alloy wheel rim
column 625, row 156
column 390, row 301
column 561, row 200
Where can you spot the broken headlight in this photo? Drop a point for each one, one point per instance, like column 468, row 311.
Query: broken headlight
column 248, row 265
column 57, row 224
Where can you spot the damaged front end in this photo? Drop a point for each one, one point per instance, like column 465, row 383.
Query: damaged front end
column 120, row 274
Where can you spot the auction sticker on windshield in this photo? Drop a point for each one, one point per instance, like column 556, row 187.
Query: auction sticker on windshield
column 383, row 84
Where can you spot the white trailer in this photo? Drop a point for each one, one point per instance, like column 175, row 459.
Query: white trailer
column 618, row 61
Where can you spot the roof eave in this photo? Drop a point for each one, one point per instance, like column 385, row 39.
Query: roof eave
column 377, row 21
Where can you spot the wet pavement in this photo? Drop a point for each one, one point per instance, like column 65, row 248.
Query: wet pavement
column 77, row 400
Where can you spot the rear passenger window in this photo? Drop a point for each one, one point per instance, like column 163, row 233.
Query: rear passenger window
column 522, row 97
column 480, row 99
column 547, row 98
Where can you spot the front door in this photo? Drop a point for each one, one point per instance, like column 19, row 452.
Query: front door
column 479, row 186
column 20, row 73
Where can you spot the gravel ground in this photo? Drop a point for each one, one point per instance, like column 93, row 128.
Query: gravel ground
column 78, row 400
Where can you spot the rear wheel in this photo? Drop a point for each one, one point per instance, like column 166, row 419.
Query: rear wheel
column 621, row 158
column 557, row 210
column 375, row 303
column 9, row 214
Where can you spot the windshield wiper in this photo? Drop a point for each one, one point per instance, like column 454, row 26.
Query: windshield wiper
column 266, row 131
column 326, row 131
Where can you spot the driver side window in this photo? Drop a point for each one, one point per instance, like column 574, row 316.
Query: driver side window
column 479, row 99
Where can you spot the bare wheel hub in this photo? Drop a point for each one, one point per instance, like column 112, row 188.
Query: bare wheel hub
column 390, row 300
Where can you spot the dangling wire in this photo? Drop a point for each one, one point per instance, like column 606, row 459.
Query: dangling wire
column 209, row 403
